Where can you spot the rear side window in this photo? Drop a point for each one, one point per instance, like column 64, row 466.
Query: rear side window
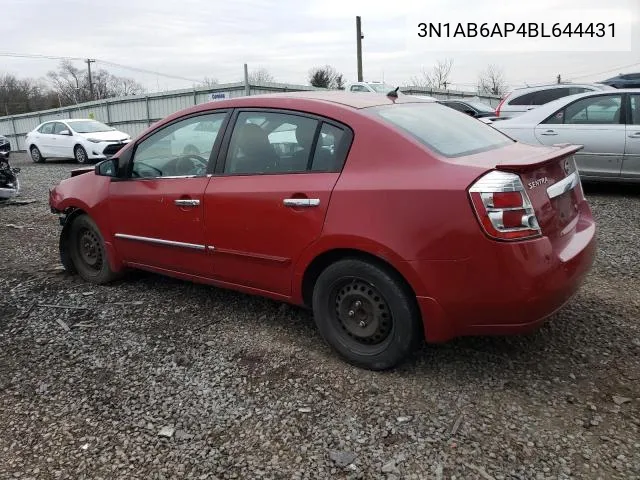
column 549, row 95
column 523, row 99
column 442, row 129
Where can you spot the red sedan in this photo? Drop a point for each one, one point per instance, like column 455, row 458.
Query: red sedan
column 396, row 219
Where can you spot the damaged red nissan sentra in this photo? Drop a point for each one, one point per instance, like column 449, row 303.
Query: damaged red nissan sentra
column 395, row 219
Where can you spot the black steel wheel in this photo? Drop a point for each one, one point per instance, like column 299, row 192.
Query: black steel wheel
column 87, row 251
column 366, row 313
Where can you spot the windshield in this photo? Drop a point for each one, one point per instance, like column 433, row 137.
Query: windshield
column 90, row 126
column 381, row 87
column 443, row 129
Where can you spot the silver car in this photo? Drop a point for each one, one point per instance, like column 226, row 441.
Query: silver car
column 606, row 123
column 522, row 100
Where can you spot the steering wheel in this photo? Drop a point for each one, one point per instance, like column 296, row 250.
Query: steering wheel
column 181, row 163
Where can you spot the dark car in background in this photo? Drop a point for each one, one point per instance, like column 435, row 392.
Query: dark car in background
column 475, row 108
column 624, row 80
column 5, row 147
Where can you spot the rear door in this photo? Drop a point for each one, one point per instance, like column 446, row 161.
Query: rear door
column 45, row 141
column 631, row 162
column 157, row 213
column 263, row 207
column 597, row 123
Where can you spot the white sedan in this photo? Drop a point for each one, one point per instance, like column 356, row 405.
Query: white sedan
column 83, row 139
column 606, row 123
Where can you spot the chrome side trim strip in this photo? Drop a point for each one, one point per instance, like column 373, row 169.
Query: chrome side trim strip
column 564, row 185
column 159, row 241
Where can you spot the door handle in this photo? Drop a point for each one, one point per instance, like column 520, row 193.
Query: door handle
column 634, row 135
column 549, row 133
column 301, row 202
column 184, row 202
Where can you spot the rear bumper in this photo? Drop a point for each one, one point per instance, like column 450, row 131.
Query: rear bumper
column 505, row 288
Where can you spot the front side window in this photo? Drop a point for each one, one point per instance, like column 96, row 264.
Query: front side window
column 441, row 129
column 180, row 149
column 600, row 110
column 358, row 88
column 59, row 127
column 47, row 128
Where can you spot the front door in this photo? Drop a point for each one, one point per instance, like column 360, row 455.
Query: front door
column 269, row 198
column 631, row 162
column 597, row 124
column 157, row 213
column 63, row 144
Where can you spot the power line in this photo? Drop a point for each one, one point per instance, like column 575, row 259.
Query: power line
column 605, row 71
column 104, row 62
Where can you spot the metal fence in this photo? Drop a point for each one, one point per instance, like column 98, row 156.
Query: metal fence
column 133, row 114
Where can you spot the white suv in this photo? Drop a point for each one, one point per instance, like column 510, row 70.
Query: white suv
column 521, row 100
column 371, row 87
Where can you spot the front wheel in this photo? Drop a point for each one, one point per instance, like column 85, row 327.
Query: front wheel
column 81, row 154
column 87, row 251
column 366, row 314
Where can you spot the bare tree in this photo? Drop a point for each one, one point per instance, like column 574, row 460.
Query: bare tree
column 260, row 76
column 71, row 84
column 326, row 77
column 438, row 77
column 492, row 81
column 210, row 82
column 24, row 95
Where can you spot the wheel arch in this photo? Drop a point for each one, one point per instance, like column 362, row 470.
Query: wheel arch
column 315, row 267
column 71, row 213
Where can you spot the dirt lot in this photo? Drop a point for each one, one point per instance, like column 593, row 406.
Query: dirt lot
column 252, row 392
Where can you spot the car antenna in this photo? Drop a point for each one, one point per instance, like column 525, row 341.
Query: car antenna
column 393, row 93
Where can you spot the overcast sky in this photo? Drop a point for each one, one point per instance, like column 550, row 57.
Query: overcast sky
column 213, row 38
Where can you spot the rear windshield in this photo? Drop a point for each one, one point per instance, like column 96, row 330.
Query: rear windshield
column 444, row 130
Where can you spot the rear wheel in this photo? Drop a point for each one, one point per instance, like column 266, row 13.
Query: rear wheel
column 36, row 156
column 366, row 314
column 87, row 251
column 80, row 154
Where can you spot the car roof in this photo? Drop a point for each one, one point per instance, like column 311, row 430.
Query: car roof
column 543, row 111
column 549, row 86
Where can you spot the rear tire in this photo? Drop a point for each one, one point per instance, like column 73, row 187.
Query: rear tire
column 80, row 155
column 366, row 314
column 87, row 251
column 36, row 156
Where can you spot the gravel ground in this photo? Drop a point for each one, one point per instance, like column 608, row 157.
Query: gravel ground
column 154, row 378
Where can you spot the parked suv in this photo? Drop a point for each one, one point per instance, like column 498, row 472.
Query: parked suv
column 624, row 80
column 522, row 100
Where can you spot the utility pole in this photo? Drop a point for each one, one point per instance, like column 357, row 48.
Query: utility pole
column 89, row 61
column 359, row 37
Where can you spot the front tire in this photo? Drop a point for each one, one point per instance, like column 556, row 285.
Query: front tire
column 366, row 314
column 36, row 156
column 87, row 251
column 80, row 155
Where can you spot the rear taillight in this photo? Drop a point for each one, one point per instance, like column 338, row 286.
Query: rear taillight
column 503, row 207
column 500, row 106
